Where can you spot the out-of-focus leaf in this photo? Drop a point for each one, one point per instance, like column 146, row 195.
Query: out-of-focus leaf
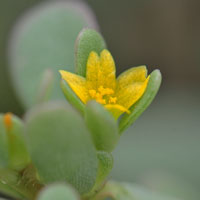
column 18, row 154
column 10, row 187
column 44, row 39
column 87, row 41
column 6, row 193
column 4, row 155
column 102, row 125
column 127, row 191
column 58, row 192
column 141, row 105
column 61, row 147
column 14, row 156
column 71, row 96
column 45, row 86
column 13, row 151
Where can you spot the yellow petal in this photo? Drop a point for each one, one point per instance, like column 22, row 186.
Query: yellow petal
column 107, row 70
column 93, row 67
column 116, row 109
column 135, row 74
column 77, row 84
column 131, row 93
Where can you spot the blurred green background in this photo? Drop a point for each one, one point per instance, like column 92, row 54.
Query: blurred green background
column 165, row 140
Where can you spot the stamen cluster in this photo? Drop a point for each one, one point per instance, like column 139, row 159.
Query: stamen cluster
column 103, row 95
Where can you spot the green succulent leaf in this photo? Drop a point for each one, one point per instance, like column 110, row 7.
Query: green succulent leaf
column 44, row 39
column 10, row 185
column 61, row 147
column 71, row 96
column 18, row 153
column 87, row 41
column 4, row 154
column 103, row 127
column 13, row 151
column 141, row 105
column 127, row 191
column 58, row 191
column 105, row 166
column 9, row 193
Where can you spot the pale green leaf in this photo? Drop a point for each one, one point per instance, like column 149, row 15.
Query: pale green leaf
column 87, row 41
column 44, row 39
column 61, row 147
column 102, row 125
column 58, row 191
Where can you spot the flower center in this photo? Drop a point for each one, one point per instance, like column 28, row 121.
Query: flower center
column 103, row 95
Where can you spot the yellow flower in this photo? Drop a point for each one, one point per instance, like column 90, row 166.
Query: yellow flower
column 100, row 84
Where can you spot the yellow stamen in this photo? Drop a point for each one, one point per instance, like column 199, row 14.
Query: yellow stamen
column 105, row 91
column 112, row 100
column 8, row 120
column 100, row 95
column 92, row 93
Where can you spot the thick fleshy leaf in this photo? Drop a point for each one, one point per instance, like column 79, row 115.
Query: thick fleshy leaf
column 4, row 154
column 140, row 106
column 128, row 191
column 105, row 166
column 11, row 187
column 44, row 39
column 9, row 193
column 61, row 147
column 72, row 97
column 103, row 127
column 88, row 40
column 58, row 191
column 18, row 154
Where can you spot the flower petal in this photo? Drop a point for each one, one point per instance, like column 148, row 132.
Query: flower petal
column 93, row 67
column 116, row 109
column 135, row 74
column 107, row 70
column 77, row 84
column 131, row 93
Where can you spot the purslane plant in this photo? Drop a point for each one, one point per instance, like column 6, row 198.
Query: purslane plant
column 57, row 145
column 101, row 97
